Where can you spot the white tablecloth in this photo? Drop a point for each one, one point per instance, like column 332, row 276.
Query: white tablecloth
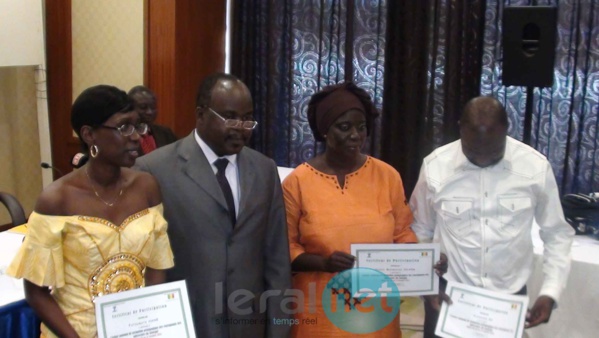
column 11, row 289
column 577, row 314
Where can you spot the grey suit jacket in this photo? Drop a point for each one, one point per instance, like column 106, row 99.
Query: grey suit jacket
column 223, row 265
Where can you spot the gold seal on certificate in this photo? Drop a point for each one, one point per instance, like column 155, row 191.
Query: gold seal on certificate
column 477, row 312
column 155, row 311
column 410, row 266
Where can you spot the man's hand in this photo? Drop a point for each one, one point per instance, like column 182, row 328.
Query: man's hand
column 339, row 261
column 441, row 266
column 540, row 312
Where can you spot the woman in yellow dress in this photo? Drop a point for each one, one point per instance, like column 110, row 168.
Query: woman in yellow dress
column 338, row 198
column 97, row 230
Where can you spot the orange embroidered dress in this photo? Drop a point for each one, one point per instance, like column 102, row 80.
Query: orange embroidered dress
column 83, row 257
column 322, row 218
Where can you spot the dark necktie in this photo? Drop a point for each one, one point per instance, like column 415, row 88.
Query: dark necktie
column 221, row 165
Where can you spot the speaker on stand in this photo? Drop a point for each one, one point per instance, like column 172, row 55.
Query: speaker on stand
column 529, row 52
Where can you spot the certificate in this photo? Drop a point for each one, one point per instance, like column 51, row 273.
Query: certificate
column 155, row 311
column 477, row 312
column 410, row 266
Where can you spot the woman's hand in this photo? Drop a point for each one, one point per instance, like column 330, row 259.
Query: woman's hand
column 154, row 277
column 339, row 261
column 441, row 266
column 46, row 308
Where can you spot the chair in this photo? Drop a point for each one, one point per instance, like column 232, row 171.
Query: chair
column 15, row 210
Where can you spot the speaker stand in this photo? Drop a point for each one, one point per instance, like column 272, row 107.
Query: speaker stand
column 528, row 114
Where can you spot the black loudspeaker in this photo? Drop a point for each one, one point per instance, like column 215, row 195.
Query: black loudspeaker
column 529, row 46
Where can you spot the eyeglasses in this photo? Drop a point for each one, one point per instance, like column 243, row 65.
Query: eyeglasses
column 128, row 128
column 235, row 123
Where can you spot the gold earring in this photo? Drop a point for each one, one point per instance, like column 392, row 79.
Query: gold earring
column 93, row 151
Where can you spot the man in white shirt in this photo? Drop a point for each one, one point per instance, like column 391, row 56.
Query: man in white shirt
column 478, row 197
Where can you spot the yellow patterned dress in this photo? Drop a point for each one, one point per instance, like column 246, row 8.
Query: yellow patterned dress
column 83, row 257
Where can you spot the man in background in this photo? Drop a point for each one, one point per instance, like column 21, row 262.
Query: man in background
column 157, row 136
column 478, row 197
column 224, row 205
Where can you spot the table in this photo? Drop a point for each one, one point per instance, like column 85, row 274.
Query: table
column 16, row 317
column 12, row 289
column 18, row 320
column 577, row 315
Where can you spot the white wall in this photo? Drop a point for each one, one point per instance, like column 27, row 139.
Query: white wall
column 21, row 53
column 21, row 33
column 108, row 43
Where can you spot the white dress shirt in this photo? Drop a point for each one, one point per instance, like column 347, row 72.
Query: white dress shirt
column 483, row 217
column 231, row 172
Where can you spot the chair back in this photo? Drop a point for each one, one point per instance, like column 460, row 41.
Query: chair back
column 15, row 210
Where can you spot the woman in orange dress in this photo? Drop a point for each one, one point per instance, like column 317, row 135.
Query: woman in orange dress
column 338, row 198
column 97, row 230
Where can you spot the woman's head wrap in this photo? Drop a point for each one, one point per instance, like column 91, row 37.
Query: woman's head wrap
column 331, row 102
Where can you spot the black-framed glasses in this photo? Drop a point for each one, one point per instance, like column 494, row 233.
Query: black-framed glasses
column 235, row 123
column 128, row 128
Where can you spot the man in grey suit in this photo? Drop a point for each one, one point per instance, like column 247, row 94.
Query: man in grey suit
column 226, row 216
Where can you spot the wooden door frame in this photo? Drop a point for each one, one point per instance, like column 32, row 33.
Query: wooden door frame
column 59, row 61
column 184, row 43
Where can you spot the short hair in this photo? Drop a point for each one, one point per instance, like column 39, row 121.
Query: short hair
column 97, row 104
column 140, row 89
column 487, row 105
column 204, row 94
column 370, row 110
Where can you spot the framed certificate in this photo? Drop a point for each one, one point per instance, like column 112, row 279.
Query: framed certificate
column 410, row 266
column 477, row 312
column 155, row 311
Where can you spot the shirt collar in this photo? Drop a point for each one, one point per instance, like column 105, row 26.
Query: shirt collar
column 507, row 156
column 462, row 162
column 209, row 153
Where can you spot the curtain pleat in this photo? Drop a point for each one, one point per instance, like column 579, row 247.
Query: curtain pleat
column 432, row 68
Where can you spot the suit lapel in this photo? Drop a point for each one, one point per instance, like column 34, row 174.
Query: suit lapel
column 198, row 169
